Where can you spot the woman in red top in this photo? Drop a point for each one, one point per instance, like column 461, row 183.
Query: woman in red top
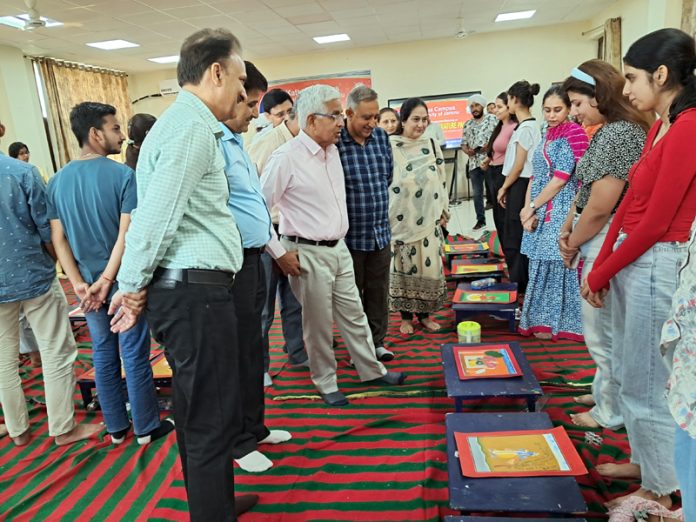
column 645, row 247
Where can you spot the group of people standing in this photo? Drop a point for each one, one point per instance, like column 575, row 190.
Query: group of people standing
column 342, row 217
column 614, row 191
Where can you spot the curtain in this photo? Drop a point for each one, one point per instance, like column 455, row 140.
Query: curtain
column 612, row 42
column 67, row 84
column 688, row 23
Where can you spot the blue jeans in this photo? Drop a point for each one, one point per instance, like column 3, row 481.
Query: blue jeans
column 135, row 352
column 685, row 462
column 597, row 328
column 290, row 315
column 642, row 298
column 477, row 177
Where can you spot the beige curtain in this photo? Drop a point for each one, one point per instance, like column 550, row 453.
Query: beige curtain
column 612, row 42
column 688, row 23
column 67, row 84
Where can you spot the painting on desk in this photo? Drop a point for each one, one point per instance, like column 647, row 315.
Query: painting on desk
column 466, row 248
column 485, row 362
column 462, row 296
column 534, row 453
column 465, row 266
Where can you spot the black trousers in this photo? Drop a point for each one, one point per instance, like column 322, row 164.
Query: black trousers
column 497, row 179
column 198, row 327
column 372, row 279
column 488, row 184
column 517, row 262
column 249, row 292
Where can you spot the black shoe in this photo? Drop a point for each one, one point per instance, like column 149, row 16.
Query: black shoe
column 120, row 436
column 334, row 398
column 391, row 378
column 243, row 503
column 488, row 206
column 479, row 224
column 166, row 426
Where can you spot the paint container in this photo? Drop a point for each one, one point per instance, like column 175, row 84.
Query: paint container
column 469, row 332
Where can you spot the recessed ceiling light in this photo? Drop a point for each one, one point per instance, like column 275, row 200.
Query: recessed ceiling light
column 110, row 45
column 165, row 59
column 331, row 38
column 19, row 21
column 518, row 15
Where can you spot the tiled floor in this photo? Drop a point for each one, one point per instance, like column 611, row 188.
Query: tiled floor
column 463, row 217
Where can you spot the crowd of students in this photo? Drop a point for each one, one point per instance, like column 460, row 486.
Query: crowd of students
column 343, row 220
column 604, row 193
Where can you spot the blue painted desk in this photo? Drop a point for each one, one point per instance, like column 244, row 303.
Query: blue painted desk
column 507, row 310
column 525, row 387
column 552, row 495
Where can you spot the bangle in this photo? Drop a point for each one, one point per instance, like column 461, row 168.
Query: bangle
column 107, row 279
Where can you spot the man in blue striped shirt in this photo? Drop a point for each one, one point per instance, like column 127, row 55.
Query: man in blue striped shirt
column 368, row 164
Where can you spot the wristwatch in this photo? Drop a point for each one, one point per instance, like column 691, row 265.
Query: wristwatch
column 532, row 205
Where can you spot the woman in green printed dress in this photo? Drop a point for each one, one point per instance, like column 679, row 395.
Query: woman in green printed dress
column 417, row 209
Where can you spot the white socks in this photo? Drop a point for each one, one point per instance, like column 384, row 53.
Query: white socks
column 276, row 437
column 254, row 462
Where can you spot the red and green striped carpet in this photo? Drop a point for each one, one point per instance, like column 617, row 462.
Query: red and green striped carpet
column 382, row 458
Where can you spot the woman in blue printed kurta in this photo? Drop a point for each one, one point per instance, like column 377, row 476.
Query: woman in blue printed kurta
column 552, row 302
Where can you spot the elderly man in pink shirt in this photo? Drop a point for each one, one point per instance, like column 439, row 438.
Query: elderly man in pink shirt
column 304, row 179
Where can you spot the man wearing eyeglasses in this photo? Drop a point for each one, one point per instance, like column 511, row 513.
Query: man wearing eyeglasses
column 305, row 180
column 367, row 161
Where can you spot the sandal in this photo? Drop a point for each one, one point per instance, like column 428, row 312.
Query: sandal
column 638, row 509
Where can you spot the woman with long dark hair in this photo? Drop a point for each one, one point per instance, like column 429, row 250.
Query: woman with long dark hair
column 138, row 127
column 417, row 209
column 597, row 102
column 642, row 255
column 517, row 168
column 497, row 145
column 552, row 302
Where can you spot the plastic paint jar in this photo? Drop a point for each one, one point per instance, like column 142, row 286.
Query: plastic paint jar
column 469, row 332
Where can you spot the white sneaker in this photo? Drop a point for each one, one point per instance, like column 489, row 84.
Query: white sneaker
column 267, row 381
column 383, row 354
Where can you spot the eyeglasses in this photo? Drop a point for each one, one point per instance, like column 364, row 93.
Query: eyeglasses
column 335, row 117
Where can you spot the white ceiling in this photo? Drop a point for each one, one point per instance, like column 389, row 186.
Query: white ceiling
column 266, row 28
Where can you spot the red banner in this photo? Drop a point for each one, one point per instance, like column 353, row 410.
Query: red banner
column 344, row 82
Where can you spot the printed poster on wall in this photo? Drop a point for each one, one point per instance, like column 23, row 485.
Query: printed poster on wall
column 344, row 82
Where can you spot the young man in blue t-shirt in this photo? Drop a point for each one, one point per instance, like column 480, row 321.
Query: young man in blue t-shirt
column 89, row 204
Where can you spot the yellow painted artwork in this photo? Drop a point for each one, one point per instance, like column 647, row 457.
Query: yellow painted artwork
column 518, row 453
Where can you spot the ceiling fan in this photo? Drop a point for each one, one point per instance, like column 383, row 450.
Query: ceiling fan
column 33, row 19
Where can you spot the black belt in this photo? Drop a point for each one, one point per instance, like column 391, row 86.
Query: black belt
column 254, row 251
column 303, row 241
column 165, row 277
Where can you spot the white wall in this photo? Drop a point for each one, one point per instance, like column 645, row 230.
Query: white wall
column 489, row 62
column 639, row 17
column 20, row 111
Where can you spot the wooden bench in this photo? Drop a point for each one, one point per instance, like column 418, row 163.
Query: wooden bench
column 526, row 387
column 534, row 495
column 506, row 310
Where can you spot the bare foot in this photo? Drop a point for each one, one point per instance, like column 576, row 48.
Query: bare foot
column 543, row 336
column 406, row 327
column 23, row 439
column 626, row 470
column 79, row 432
column 584, row 420
column 665, row 500
column 35, row 358
column 430, row 324
column 585, row 400
column 3, row 430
